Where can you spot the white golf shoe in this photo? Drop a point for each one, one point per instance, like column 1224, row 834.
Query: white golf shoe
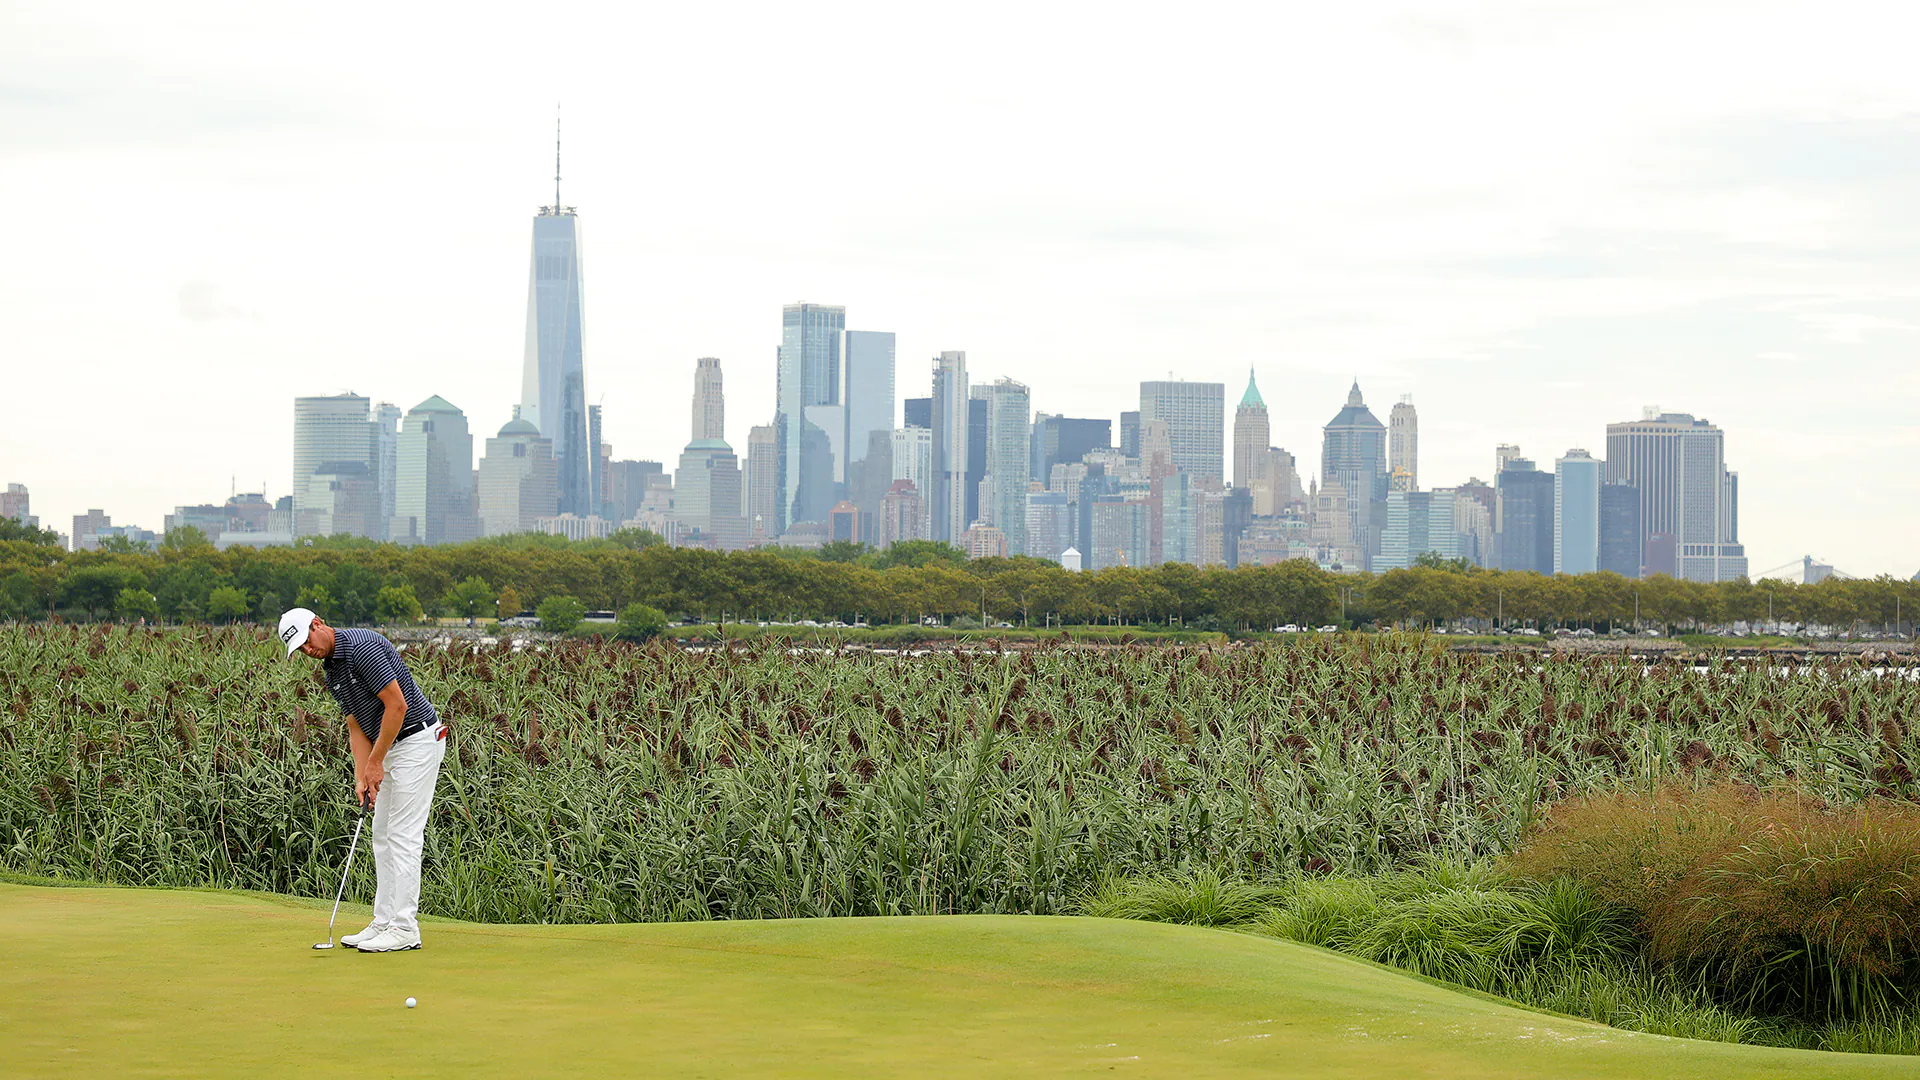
column 372, row 931
column 391, row 939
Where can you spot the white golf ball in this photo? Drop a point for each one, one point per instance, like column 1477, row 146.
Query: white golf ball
column 411, row 1003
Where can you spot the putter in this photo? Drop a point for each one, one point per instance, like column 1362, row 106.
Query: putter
column 328, row 944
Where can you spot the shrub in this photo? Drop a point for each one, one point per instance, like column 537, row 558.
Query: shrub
column 559, row 614
column 1199, row 898
column 638, row 622
column 1804, row 908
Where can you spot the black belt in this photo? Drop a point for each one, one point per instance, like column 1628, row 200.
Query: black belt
column 411, row 728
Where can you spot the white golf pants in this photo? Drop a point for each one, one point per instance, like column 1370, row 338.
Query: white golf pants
column 400, row 825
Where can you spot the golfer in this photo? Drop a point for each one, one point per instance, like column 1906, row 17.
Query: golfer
column 398, row 741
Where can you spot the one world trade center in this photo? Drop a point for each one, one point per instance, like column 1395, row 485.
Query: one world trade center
column 553, row 393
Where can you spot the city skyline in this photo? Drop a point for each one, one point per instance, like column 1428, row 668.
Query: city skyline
column 1525, row 291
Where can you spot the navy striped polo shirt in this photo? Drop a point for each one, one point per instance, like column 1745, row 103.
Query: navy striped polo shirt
column 363, row 664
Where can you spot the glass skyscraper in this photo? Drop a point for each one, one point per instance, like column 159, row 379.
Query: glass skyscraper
column 553, row 391
column 1576, row 514
column 1353, row 454
column 811, row 339
column 869, row 389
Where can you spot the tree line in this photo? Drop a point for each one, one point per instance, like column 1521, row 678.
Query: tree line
column 354, row 581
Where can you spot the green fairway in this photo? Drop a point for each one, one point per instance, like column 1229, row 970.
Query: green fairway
column 112, row 982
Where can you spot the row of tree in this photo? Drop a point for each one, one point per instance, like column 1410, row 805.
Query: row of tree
column 358, row 582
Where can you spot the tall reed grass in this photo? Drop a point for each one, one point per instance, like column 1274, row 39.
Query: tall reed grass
column 592, row 782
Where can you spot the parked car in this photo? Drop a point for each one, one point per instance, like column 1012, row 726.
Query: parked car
column 1290, row 628
column 1326, row 629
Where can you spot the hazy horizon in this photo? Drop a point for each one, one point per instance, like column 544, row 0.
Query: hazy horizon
column 1535, row 219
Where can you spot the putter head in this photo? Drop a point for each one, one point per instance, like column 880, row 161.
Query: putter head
column 324, row 945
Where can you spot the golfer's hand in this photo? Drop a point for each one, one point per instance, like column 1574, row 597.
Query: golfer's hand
column 367, row 785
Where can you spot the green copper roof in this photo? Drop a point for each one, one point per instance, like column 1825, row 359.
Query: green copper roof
column 517, row 426
column 436, row 403
column 1251, row 399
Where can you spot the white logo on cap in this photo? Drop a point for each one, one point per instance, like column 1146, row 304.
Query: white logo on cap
column 287, row 634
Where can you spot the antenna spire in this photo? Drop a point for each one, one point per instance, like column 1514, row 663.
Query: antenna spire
column 556, row 157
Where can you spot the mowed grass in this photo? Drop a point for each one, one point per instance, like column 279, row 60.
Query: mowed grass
column 130, row 983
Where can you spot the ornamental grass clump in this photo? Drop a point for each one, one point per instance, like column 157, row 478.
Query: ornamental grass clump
column 1781, row 903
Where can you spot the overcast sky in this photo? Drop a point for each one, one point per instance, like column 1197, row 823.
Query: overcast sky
column 1534, row 218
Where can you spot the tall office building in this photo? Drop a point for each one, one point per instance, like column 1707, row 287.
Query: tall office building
column 1118, row 532
column 1353, row 454
column 706, row 496
column 553, row 381
column 917, row 412
column 1686, row 492
column 88, row 527
column 1620, row 536
column 706, row 499
column 810, row 420
column 627, row 488
column 1037, row 463
column 1420, row 523
column 913, row 456
column 1403, row 442
column 763, row 483
column 976, row 450
column 517, row 483
column 1009, row 445
column 1502, row 454
column 1195, row 413
column 386, row 447
column 14, row 504
column 597, row 464
column 709, row 400
column 1048, row 525
column 869, row 390
column 1576, row 513
column 1251, row 434
column 1066, row 440
column 951, row 430
column 433, row 494
column 903, row 514
column 1129, row 435
column 1526, row 517
column 343, row 499
column 328, row 430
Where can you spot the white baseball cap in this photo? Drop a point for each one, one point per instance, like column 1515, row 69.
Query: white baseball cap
column 295, row 625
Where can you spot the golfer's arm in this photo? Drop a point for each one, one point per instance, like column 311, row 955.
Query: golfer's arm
column 362, row 748
column 390, row 721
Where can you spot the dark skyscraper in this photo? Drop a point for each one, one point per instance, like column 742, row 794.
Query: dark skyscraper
column 553, row 391
column 917, row 412
column 1130, row 434
column 1620, row 529
column 1526, row 517
column 976, row 455
column 1066, row 439
column 1353, row 453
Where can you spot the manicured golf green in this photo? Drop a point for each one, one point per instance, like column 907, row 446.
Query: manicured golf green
column 125, row 983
